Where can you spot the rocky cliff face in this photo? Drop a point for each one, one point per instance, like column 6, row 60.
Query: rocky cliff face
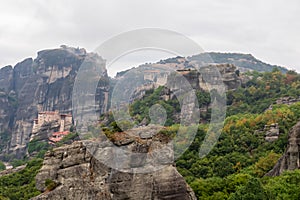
column 78, row 175
column 197, row 80
column 291, row 158
column 6, row 78
column 42, row 84
column 7, row 105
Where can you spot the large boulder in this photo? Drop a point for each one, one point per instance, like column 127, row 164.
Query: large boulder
column 79, row 175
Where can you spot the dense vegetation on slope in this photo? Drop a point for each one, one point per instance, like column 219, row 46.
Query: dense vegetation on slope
column 20, row 185
column 262, row 91
column 140, row 109
column 241, row 153
column 234, row 169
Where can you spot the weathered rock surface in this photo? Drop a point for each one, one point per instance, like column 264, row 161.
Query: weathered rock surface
column 8, row 104
column 206, row 78
column 79, row 175
column 291, row 158
column 6, row 78
column 42, row 84
column 272, row 132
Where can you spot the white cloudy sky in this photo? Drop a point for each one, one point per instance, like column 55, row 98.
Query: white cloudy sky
column 268, row 29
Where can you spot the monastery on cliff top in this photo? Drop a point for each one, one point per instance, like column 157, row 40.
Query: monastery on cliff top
column 64, row 121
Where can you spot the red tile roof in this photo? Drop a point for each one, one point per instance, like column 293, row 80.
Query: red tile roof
column 60, row 133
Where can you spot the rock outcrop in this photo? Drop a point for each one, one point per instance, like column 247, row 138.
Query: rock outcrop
column 77, row 174
column 42, row 84
column 291, row 158
column 187, row 77
column 287, row 100
column 271, row 132
column 6, row 78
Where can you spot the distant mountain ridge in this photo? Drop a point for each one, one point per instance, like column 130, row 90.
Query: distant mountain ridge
column 240, row 60
column 244, row 62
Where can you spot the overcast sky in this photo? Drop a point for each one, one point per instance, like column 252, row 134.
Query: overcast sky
column 268, row 29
